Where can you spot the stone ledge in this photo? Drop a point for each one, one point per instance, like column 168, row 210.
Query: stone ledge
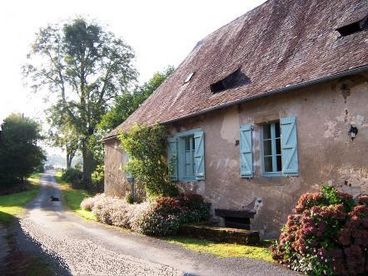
column 220, row 234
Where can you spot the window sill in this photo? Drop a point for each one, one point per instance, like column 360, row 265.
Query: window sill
column 187, row 180
column 275, row 174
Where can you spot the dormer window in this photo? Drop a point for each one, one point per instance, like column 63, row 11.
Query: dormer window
column 354, row 27
column 235, row 79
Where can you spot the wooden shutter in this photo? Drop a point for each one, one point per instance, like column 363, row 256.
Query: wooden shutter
column 199, row 155
column 246, row 154
column 172, row 157
column 289, row 146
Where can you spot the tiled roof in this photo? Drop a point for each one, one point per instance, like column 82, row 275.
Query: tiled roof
column 279, row 44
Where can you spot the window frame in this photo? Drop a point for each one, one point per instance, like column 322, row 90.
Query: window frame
column 273, row 149
column 181, row 155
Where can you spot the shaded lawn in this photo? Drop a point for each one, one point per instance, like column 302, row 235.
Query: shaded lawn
column 13, row 205
column 225, row 250
column 73, row 198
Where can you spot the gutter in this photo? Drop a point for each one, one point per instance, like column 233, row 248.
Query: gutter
column 305, row 84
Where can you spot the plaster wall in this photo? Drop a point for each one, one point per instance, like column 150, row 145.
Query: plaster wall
column 327, row 155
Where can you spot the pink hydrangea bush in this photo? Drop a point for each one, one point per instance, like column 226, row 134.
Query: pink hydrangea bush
column 327, row 234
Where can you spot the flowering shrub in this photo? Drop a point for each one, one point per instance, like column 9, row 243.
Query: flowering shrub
column 327, row 234
column 89, row 202
column 161, row 217
column 167, row 214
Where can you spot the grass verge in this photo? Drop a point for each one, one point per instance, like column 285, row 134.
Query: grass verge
column 13, row 205
column 73, row 198
column 225, row 250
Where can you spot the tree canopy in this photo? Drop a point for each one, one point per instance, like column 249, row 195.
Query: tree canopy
column 20, row 155
column 86, row 67
column 127, row 103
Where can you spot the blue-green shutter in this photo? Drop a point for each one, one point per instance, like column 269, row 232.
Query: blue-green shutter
column 199, row 155
column 246, row 154
column 172, row 157
column 289, row 146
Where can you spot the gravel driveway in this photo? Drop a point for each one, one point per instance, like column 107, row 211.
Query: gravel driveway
column 79, row 247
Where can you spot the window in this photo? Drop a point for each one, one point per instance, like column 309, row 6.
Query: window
column 235, row 79
column 186, row 156
column 272, row 160
column 279, row 143
column 354, row 27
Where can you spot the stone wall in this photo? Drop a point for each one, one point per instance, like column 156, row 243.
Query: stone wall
column 116, row 183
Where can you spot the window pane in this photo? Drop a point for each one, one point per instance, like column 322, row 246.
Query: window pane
column 266, row 131
column 277, row 129
column 279, row 166
column 267, row 148
column 187, row 143
column 268, row 164
column 278, row 146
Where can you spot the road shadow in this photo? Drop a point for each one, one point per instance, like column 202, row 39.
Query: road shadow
column 22, row 255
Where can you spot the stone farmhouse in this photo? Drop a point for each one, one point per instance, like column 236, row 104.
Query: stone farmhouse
column 270, row 106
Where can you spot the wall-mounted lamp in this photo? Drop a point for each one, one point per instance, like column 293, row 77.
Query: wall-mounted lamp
column 353, row 131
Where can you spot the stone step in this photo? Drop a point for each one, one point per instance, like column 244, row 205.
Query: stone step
column 220, row 234
column 237, row 225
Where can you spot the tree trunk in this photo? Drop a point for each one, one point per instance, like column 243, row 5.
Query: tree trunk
column 70, row 154
column 89, row 165
column 68, row 161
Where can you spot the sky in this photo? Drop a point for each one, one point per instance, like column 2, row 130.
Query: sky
column 161, row 33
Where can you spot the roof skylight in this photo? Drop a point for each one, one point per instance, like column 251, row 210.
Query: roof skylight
column 354, row 27
column 189, row 77
column 235, row 79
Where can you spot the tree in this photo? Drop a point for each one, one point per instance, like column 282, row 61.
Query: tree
column 63, row 133
column 127, row 103
column 19, row 153
column 85, row 67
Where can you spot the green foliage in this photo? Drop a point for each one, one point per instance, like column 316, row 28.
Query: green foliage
column 85, row 67
column 73, row 176
column 98, row 178
column 127, row 103
column 146, row 147
column 20, row 155
column 326, row 235
column 62, row 132
column 331, row 197
column 129, row 198
column 13, row 205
